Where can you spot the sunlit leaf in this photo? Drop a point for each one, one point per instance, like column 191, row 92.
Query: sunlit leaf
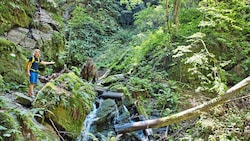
column 2, row 128
column 205, row 23
column 197, row 58
column 197, row 35
column 180, row 50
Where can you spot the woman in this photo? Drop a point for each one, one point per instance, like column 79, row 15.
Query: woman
column 32, row 70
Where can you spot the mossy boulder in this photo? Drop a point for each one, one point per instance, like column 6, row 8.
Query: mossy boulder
column 19, row 124
column 69, row 99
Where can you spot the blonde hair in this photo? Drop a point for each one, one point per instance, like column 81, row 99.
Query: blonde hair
column 35, row 51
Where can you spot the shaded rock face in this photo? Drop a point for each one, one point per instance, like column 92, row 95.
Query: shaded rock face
column 19, row 37
column 39, row 33
column 42, row 31
column 69, row 99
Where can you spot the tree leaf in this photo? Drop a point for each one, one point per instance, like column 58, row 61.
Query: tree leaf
column 180, row 50
column 197, row 35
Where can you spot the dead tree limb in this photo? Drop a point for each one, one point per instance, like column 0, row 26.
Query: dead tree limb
column 184, row 115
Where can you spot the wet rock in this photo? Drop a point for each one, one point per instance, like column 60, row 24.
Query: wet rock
column 106, row 112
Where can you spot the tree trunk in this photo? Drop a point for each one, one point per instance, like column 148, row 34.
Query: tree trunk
column 184, row 115
column 167, row 17
column 176, row 14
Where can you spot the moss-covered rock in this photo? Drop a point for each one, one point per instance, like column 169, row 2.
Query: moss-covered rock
column 11, row 63
column 69, row 99
column 15, row 13
column 19, row 124
column 32, row 130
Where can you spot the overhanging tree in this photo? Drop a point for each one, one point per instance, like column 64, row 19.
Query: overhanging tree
column 185, row 115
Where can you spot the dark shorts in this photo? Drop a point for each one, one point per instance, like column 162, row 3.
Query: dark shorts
column 33, row 77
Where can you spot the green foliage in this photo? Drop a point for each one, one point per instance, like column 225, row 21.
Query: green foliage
column 49, row 5
column 189, row 21
column 141, row 86
column 230, row 126
column 226, row 24
column 20, row 125
column 167, row 98
column 11, row 65
column 1, row 83
column 201, row 66
column 130, row 4
column 156, row 42
column 89, row 32
column 150, row 18
column 9, row 129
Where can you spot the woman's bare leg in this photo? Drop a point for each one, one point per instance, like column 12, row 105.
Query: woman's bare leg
column 31, row 88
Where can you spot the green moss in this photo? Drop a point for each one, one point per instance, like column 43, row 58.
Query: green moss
column 53, row 49
column 15, row 13
column 127, row 100
column 70, row 99
column 32, row 130
column 49, row 6
column 64, row 116
column 5, row 44
column 11, row 63
column 1, row 82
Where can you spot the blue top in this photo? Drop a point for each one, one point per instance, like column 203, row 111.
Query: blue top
column 35, row 64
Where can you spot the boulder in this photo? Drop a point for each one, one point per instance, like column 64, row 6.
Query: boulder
column 19, row 124
column 23, row 99
column 69, row 101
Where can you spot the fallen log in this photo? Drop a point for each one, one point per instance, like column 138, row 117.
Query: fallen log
column 184, row 115
column 112, row 95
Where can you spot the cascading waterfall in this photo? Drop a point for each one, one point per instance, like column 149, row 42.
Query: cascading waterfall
column 90, row 118
column 116, row 115
column 113, row 116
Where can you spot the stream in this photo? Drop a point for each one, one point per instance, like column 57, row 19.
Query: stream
column 99, row 123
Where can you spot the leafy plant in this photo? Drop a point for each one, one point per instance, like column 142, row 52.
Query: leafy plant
column 130, row 4
column 202, row 65
column 150, row 18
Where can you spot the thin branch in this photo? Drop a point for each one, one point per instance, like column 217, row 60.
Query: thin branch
column 246, row 96
column 56, row 130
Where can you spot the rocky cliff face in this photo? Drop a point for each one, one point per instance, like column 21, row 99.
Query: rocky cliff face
column 27, row 26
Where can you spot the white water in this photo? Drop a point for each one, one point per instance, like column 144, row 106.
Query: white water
column 91, row 117
column 86, row 134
